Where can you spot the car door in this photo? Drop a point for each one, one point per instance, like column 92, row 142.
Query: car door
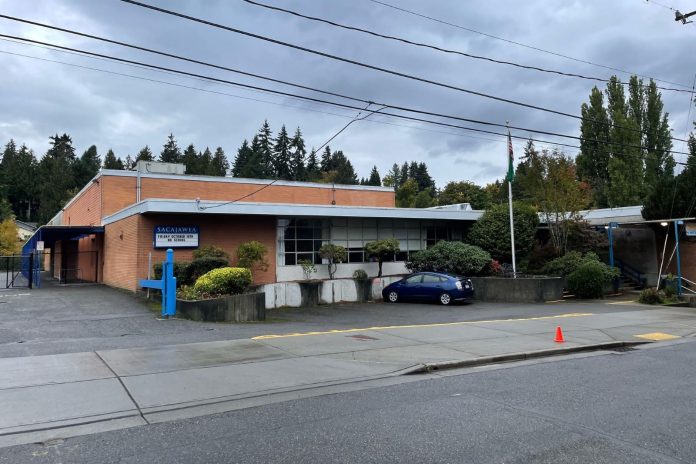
column 410, row 286
column 431, row 287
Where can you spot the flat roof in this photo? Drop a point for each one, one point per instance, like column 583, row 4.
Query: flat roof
column 154, row 206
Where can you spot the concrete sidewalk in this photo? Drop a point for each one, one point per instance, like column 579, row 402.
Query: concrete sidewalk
column 44, row 397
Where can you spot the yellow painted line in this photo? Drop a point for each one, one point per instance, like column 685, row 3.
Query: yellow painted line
column 414, row 326
column 623, row 302
column 657, row 336
column 556, row 301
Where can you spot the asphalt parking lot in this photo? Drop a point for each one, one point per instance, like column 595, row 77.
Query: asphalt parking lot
column 67, row 319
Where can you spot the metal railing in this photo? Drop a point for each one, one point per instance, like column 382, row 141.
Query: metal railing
column 631, row 273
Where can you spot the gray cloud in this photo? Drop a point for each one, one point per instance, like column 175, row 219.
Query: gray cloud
column 40, row 98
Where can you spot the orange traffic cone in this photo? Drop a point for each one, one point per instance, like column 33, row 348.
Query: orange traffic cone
column 559, row 335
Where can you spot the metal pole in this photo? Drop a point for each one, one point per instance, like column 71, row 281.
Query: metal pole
column 31, row 269
column 611, row 244
column 662, row 261
column 676, row 241
column 512, row 231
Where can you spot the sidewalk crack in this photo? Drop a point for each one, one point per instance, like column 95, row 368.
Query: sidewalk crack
column 120, row 380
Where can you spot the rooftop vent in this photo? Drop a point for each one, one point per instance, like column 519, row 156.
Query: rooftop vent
column 152, row 167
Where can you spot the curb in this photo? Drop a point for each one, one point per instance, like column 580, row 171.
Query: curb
column 438, row 366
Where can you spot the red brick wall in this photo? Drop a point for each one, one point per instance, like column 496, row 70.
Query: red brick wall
column 126, row 260
column 86, row 209
column 121, row 242
column 189, row 190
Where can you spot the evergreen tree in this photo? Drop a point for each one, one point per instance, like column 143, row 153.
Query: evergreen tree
column 205, row 160
column 129, row 163
column 297, row 157
column 313, row 172
column 659, row 163
column 145, row 154
column 18, row 181
column 56, row 181
column 595, row 151
column 111, row 162
column 393, row 177
column 374, row 177
column 254, row 168
column 325, row 165
column 87, row 166
column 281, row 155
column 244, row 154
column 170, row 152
column 219, row 164
column 264, row 151
column 340, row 170
column 464, row 192
column 191, row 160
column 422, row 177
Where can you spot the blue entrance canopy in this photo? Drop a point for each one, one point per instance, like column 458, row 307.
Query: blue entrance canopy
column 51, row 234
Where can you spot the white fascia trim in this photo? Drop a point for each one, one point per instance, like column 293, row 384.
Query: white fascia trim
column 283, row 209
column 240, row 180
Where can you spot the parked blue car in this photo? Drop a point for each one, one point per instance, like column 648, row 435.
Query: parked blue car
column 430, row 286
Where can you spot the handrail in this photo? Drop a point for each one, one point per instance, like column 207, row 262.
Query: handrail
column 631, row 272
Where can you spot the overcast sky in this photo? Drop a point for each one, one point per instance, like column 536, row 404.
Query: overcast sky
column 41, row 98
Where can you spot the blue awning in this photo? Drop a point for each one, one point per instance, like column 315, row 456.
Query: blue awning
column 51, row 234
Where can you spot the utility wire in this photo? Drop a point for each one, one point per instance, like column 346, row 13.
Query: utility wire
column 366, row 65
column 440, row 49
column 258, row 76
column 317, row 100
column 686, row 132
column 531, row 47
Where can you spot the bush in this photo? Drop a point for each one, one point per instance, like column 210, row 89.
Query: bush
column 333, row 254
column 452, row 257
column 252, row 255
column 211, row 251
column 187, row 292
column 359, row 274
column 382, row 250
column 223, row 281
column 492, row 231
column 200, row 266
column 180, row 272
column 651, row 296
column 567, row 264
column 590, row 279
column 493, row 268
column 670, row 291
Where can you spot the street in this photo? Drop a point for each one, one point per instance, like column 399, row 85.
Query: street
column 609, row 407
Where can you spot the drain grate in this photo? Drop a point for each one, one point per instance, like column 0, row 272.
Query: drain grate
column 621, row 349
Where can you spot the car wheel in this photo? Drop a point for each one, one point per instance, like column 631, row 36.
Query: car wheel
column 392, row 297
column 445, row 299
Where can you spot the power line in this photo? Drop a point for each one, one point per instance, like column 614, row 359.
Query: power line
column 368, row 66
column 440, row 49
column 258, row 76
column 531, row 47
column 317, row 100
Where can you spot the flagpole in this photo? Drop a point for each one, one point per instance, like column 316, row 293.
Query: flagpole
column 512, row 221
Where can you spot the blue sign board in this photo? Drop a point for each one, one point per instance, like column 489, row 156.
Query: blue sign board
column 176, row 237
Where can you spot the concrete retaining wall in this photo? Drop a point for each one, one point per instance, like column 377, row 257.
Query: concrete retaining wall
column 233, row 308
column 301, row 294
column 499, row 289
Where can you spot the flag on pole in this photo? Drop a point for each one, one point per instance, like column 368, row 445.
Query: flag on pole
column 511, row 158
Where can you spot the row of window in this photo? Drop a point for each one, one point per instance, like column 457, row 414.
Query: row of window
column 300, row 239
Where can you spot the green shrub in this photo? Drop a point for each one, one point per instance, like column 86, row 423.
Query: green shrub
column 180, row 272
column 359, row 274
column 200, row 266
column 308, row 268
column 452, row 257
column 491, row 232
column 224, row 281
column 187, row 292
column 210, row 251
column 651, row 296
column 252, row 255
column 670, row 291
column 590, row 279
column 333, row 254
column 565, row 265
column 382, row 250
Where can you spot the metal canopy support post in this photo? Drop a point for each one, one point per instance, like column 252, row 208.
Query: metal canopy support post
column 610, row 233
column 676, row 242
